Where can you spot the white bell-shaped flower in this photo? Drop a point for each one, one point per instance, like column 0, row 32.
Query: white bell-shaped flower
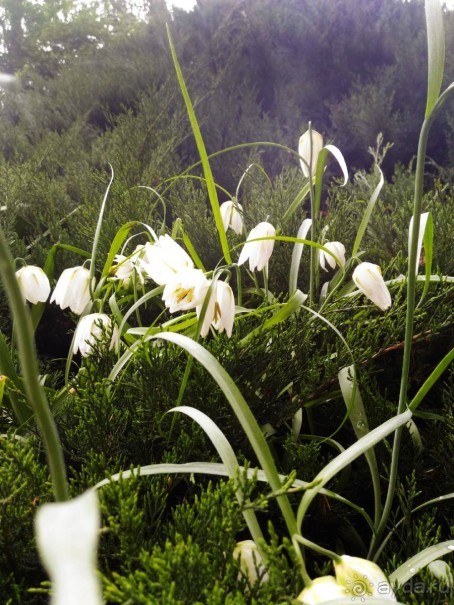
column 322, row 590
column 73, row 289
column 368, row 279
column 91, row 329
column 250, row 561
column 126, row 267
column 362, row 579
column 338, row 250
column 308, row 148
column 67, row 537
column 185, row 290
column 220, row 311
column 34, row 284
column 231, row 216
column 162, row 260
column 258, row 253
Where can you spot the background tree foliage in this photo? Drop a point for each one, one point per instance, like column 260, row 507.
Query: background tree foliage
column 259, row 70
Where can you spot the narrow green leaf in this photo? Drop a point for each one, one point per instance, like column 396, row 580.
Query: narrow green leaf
column 242, row 412
column 296, row 255
column 436, row 52
column 320, row 170
column 215, row 468
column 228, row 457
column 94, row 248
column 428, row 253
column 211, row 187
column 116, row 244
column 411, row 567
column 347, row 457
column 299, row 199
column 368, row 213
column 357, row 414
column 290, row 307
column 431, row 380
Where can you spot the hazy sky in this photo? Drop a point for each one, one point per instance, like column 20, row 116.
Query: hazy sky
column 186, row 4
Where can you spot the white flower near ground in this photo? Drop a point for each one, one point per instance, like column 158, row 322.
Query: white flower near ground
column 91, row 329
column 67, row 537
column 338, row 250
column 309, row 147
column 34, row 284
column 231, row 216
column 368, row 279
column 362, row 579
column 73, row 289
column 322, row 590
column 185, row 290
column 220, row 311
column 250, row 561
column 258, row 253
column 162, row 260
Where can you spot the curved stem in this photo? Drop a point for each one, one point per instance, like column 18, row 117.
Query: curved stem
column 411, row 287
column 28, row 360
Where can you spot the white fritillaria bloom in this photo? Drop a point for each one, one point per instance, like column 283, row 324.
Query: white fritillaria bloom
column 91, row 329
column 164, row 259
column 220, row 311
column 322, row 590
column 309, row 147
column 34, row 284
column 258, row 253
column 231, row 216
column 185, row 290
column 67, row 537
column 73, row 289
column 250, row 561
column 361, row 578
column 126, row 267
column 338, row 250
column 368, row 279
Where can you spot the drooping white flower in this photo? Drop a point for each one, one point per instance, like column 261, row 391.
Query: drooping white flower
column 250, row 561
column 73, row 289
column 185, row 290
column 126, row 267
column 338, row 250
column 162, row 260
column 304, row 150
column 34, row 284
column 322, row 590
column 368, row 279
column 258, row 253
column 231, row 216
column 91, row 329
column 309, row 147
column 220, row 311
column 67, row 536
column 361, row 578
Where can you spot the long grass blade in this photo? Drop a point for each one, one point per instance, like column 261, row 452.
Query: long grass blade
column 436, row 52
column 211, row 187
column 228, row 457
column 411, row 567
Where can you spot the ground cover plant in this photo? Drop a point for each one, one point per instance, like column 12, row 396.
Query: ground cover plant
column 256, row 401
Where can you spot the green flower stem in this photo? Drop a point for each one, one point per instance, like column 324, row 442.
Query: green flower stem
column 27, row 355
column 314, row 216
column 319, row 549
column 411, row 288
